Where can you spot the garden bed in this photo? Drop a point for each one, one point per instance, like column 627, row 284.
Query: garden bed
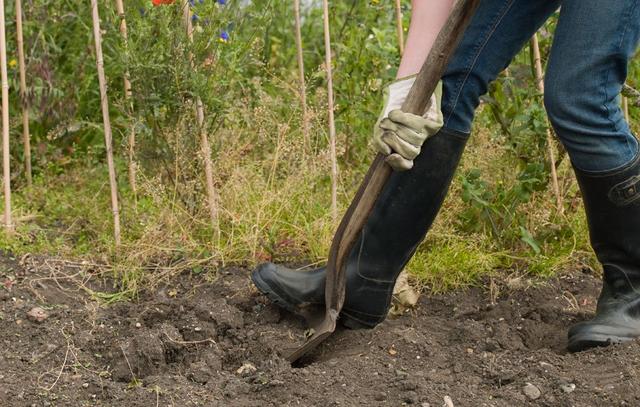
column 198, row 342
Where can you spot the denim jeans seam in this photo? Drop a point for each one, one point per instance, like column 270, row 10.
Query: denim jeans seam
column 607, row 75
column 474, row 60
column 627, row 17
column 625, row 25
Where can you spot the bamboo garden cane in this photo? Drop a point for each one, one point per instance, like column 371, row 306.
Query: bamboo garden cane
column 399, row 26
column 204, row 139
column 128, row 96
column 537, row 60
column 625, row 108
column 332, row 124
column 108, row 140
column 26, row 138
column 6, row 169
column 302, row 89
column 631, row 94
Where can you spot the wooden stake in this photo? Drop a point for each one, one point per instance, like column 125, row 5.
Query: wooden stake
column 303, row 91
column 625, row 108
column 332, row 125
column 537, row 60
column 26, row 138
column 107, row 122
column 631, row 94
column 400, row 28
column 204, row 139
column 6, row 169
column 128, row 94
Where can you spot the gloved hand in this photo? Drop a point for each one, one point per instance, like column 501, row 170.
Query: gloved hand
column 400, row 135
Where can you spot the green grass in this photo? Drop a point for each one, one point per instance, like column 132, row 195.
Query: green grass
column 453, row 262
column 275, row 205
column 281, row 218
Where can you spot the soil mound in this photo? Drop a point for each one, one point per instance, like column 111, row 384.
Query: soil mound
column 199, row 343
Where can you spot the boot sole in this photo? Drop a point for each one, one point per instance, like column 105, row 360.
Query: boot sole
column 262, row 286
column 579, row 343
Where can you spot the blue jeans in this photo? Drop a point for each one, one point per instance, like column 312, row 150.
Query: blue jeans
column 593, row 43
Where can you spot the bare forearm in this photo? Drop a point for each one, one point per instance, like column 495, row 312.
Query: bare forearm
column 427, row 18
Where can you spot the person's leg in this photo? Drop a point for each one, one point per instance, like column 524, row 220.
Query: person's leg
column 497, row 33
column 410, row 203
column 411, row 200
column 587, row 68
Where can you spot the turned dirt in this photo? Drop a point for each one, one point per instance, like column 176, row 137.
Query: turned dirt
column 199, row 343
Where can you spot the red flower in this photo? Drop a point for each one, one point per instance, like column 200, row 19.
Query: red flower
column 157, row 3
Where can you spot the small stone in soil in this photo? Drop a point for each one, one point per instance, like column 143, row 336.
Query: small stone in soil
column 37, row 314
column 567, row 387
column 448, row 402
column 531, row 391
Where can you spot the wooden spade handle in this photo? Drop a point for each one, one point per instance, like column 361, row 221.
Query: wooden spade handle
column 417, row 102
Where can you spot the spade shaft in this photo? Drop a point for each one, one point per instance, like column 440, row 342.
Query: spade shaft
column 356, row 215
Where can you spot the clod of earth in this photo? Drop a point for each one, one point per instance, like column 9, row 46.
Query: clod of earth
column 246, row 369
column 37, row 314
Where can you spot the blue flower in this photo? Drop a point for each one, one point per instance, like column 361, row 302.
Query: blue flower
column 222, row 2
column 142, row 11
column 195, row 17
column 224, row 36
column 192, row 3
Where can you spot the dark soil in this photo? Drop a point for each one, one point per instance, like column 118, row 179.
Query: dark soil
column 199, row 343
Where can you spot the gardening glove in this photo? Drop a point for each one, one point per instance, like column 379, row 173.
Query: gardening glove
column 400, row 135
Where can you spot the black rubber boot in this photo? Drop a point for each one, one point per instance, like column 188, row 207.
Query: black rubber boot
column 398, row 223
column 612, row 203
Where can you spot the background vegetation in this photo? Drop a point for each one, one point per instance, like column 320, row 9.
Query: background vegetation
column 274, row 188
